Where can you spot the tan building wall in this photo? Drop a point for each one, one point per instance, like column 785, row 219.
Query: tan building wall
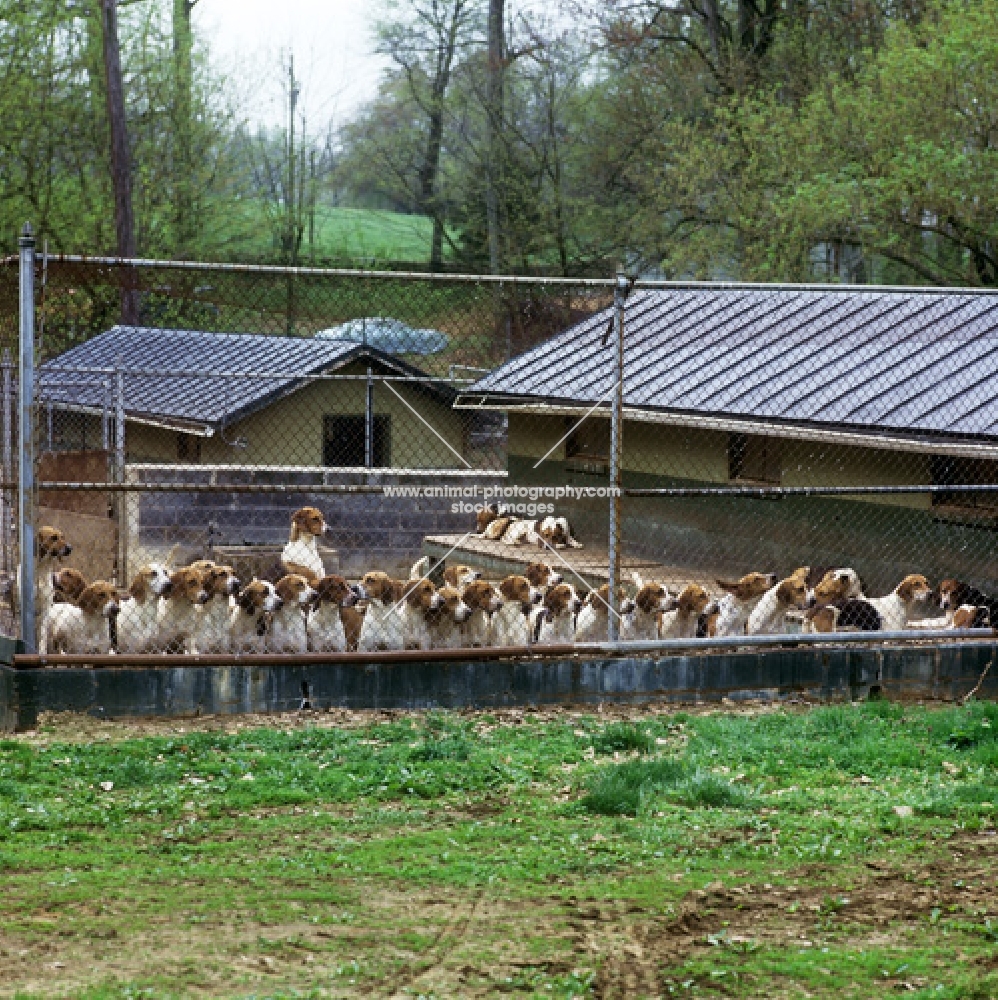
column 290, row 431
column 702, row 455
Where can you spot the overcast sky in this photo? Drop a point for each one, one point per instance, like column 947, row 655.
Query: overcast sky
column 333, row 45
column 332, row 42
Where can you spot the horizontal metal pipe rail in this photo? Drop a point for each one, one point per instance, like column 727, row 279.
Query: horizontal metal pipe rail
column 44, row 484
column 23, row 661
column 796, row 638
column 496, row 279
column 678, row 491
column 802, row 491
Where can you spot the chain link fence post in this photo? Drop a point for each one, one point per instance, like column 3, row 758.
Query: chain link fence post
column 26, row 438
column 121, row 499
column 616, row 440
column 6, row 506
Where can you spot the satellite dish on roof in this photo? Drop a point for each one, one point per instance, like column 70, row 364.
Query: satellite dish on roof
column 386, row 334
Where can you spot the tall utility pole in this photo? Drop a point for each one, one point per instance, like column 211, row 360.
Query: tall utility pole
column 121, row 162
column 495, row 72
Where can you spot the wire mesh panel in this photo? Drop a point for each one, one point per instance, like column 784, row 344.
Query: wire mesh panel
column 9, row 546
column 298, row 430
column 267, row 460
column 773, row 435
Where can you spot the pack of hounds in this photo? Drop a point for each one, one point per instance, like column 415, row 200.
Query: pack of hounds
column 204, row 608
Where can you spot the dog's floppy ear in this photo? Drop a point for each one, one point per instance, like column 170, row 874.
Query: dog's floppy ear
column 245, row 600
column 731, row 588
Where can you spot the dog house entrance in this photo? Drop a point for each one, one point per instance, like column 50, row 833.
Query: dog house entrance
column 343, row 441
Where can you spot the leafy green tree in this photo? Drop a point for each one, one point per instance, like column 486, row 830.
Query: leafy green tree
column 55, row 145
column 896, row 164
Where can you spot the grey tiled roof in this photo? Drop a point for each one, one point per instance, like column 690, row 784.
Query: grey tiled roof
column 198, row 379
column 915, row 363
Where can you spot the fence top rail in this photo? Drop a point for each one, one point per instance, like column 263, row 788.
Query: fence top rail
column 498, row 279
column 391, row 470
column 650, row 649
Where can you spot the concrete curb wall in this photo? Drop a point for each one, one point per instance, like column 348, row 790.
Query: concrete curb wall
column 945, row 671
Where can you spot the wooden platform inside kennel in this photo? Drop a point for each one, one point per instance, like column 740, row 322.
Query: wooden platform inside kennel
column 497, row 560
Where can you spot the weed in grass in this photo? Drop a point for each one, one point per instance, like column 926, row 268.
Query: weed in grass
column 623, row 737
column 962, row 800
column 703, row 790
column 622, row 789
column 965, row 986
column 447, row 748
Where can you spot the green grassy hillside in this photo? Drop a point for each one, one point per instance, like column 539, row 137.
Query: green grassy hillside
column 362, row 234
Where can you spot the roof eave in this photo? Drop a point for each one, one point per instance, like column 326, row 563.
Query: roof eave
column 198, row 428
column 207, row 428
column 855, row 437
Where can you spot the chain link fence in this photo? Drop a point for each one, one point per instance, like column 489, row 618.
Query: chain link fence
column 257, row 460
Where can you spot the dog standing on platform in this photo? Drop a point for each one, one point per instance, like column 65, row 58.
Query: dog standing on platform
column 511, row 624
column 287, row 629
column 138, row 620
column 301, row 555
column 222, row 584
column 84, row 627
column 51, row 548
column 651, row 602
column 326, row 629
column 593, row 622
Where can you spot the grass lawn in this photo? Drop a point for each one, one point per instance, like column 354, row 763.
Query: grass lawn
column 366, row 235
column 840, row 851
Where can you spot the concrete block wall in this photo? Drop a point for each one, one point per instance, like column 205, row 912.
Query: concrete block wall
column 939, row 671
column 369, row 530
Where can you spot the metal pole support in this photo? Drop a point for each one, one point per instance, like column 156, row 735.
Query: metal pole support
column 9, row 420
column 369, row 420
column 119, row 475
column 26, row 439
column 616, row 442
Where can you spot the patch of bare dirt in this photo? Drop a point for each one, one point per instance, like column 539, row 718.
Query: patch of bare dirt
column 392, row 943
column 878, row 908
column 444, row 942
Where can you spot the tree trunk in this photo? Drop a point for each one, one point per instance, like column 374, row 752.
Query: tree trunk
column 435, row 133
column 712, row 18
column 556, row 174
column 494, row 125
column 183, row 167
column 121, row 169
